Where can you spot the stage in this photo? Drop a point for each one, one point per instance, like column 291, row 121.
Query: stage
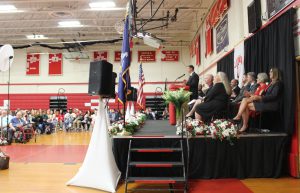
column 251, row 156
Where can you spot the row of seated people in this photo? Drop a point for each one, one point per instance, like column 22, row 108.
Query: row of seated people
column 15, row 127
column 41, row 121
column 254, row 95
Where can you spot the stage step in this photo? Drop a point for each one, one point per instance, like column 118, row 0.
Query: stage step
column 156, row 180
column 155, row 150
column 155, row 164
column 154, row 161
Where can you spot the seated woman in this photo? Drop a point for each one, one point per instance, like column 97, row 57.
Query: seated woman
column 270, row 101
column 216, row 100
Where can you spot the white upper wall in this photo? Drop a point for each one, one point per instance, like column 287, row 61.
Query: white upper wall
column 78, row 72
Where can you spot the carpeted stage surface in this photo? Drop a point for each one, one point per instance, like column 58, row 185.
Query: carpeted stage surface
column 157, row 127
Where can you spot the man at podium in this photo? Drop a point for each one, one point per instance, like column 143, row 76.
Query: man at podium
column 192, row 82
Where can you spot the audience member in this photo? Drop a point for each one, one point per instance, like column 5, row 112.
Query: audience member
column 5, row 122
column 87, row 120
column 17, row 124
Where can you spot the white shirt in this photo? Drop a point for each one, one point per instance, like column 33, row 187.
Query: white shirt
column 3, row 120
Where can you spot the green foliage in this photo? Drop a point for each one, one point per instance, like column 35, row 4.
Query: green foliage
column 178, row 98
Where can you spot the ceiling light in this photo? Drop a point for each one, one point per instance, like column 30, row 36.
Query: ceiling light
column 8, row 9
column 69, row 24
column 102, row 4
column 36, row 37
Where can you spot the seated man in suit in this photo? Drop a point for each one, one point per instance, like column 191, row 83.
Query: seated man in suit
column 209, row 81
column 245, row 88
column 193, row 82
column 251, row 78
column 235, row 89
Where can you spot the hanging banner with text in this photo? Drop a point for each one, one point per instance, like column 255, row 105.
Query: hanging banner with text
column 222, row 34
column 118, row 56
column 101, row 55
column 169, row 56
column 55, row 64
column 33, row 64
column 146, row 56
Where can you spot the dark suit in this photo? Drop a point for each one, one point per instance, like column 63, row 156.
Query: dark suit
column 236, row 90
column 193, row 82
column 271, row 100
column 240, row 96
column 253, row 87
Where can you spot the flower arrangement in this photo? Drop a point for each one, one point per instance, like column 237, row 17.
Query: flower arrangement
column 220, row 129
column 223, row 130
column 178, row 98
column 193, row 127
column 132, row 124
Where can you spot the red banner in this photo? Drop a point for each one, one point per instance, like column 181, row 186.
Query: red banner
column 209, row 40
column 118, row 56
column 55, row 64
column 216, row 12
column 101, row 55
column 33, row 64
column 197, row 50
column 169, row 56
column 146, row 56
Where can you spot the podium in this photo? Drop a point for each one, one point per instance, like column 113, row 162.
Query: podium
column 172, row 109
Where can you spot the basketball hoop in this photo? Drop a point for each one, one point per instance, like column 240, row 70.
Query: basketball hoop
column 119, row 26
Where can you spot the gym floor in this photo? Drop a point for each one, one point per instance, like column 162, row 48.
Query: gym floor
column 45, row 167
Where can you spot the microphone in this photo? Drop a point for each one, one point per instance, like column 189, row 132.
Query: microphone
column 180, row 77
column 11, row 57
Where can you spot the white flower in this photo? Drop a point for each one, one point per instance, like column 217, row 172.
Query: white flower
column 120, row 126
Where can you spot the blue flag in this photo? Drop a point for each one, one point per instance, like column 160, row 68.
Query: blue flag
column 124, row 76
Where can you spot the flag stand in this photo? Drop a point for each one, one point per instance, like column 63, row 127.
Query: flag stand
column 124, row 112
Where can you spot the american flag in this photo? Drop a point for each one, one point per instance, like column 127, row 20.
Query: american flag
column 140, row 93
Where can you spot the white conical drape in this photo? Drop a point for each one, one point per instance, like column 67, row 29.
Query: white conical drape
column 99, row 169
column 127, row 115
column 132, row 111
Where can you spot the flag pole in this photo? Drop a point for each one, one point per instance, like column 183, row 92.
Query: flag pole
column 124, row 110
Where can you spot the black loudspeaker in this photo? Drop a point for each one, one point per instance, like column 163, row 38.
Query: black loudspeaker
column 254, row 16
column 101, row 79
column 133, row 94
